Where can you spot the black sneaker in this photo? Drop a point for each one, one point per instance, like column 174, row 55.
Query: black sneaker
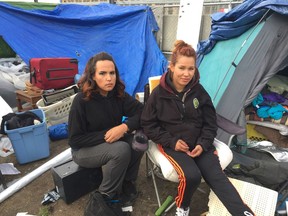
column 129, row 193
column 114, row 204
column 97, row 206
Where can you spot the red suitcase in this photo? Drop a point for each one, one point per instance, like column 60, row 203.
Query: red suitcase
column 53, row 73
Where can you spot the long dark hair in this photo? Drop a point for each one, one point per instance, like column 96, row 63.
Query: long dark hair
column 88, row 85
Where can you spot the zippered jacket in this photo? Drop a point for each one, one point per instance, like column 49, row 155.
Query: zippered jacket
column 169, row 116
column 90, row 120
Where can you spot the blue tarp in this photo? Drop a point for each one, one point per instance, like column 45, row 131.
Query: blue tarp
column 237, row 21
column 80, row 31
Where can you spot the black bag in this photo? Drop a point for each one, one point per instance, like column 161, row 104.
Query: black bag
column 4, row 119
column 97, row 206
column 14, row 121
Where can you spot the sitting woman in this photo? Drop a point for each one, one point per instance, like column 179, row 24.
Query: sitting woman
column 180, row 117
column 97, row 135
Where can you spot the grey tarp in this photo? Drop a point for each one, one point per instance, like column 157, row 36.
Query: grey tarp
column 260, row 166
column 267, row 55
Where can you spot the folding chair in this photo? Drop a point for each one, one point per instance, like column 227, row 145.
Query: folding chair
column 157, row 164
column 162, row 168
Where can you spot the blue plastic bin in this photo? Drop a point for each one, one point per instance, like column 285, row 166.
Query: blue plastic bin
column 32, row 142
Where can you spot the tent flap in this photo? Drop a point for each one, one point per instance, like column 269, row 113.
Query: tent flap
column 236, row 68
column 237, row 21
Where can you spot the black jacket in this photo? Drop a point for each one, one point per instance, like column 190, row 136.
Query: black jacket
column 90, row 120
column 166, row 118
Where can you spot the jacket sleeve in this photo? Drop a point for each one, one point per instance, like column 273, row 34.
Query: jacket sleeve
column 209, row 128
column 132, row 109
column 78, row 135
column 151, row 126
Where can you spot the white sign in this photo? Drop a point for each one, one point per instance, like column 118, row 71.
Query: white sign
column 189, row 21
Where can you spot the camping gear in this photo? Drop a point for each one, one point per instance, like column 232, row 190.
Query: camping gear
column 247, row 46
column 53, row 73
column 73, row 181
column 32, row 142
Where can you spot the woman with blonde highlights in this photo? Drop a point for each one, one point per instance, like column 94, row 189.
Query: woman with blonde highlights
column 180, row 117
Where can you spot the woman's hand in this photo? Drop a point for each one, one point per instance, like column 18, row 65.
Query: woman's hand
column 197, row 151
column 181, row 146
column 115, row 133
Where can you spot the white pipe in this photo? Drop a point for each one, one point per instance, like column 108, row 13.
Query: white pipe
column 62, row 157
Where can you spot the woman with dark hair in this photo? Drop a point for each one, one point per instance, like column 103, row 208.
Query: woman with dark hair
column 99, row 137
column 179, row 116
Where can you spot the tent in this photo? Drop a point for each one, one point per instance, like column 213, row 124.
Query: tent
column 80, row 31
column 246, row 47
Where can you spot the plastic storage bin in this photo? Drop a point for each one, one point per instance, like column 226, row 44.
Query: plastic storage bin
column 32, row 142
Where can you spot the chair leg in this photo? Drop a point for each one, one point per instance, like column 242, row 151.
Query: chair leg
column 155, row 184
column 147, row 166
column 201, row 190
column 150, row 171
column 170, row 206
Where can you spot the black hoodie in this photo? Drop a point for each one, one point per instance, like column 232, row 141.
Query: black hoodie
column 190, row 115
column 90, row 120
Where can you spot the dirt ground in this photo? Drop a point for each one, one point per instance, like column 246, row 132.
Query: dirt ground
column 28, row 199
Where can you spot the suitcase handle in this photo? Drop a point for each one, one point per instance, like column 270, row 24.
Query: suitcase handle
column 75, row 61
column 48, row 74
column 33, row 75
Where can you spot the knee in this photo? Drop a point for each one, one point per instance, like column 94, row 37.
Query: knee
column 122, row 151
column 193, row 178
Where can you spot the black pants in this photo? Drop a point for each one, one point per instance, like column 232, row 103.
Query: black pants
column 207, row 165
